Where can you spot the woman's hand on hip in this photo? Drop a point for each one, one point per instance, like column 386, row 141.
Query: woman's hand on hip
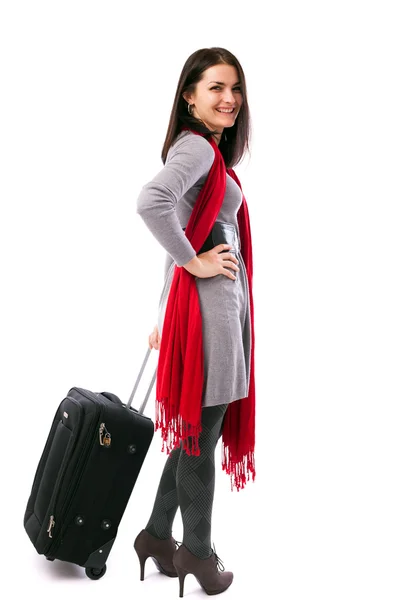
column 216, row 261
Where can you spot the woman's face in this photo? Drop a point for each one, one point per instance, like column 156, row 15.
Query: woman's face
column 219, row 88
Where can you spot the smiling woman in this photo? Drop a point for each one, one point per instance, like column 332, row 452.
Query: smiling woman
column 206, row 301
column 224, row 98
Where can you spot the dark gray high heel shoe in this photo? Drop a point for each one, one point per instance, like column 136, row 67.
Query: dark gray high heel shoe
column 161, row 552
column 207, row 571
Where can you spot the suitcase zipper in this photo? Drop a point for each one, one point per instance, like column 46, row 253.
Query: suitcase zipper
column 70, row 493
column 51, row 525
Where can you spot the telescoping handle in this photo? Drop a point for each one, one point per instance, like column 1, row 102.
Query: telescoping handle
column 143, row 405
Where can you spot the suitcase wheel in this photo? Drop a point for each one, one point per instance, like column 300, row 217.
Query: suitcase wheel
column 94, row 573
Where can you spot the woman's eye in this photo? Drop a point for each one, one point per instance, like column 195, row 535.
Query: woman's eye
column 218, row 87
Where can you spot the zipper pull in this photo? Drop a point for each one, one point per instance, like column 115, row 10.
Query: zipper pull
column 51, row 524
column 101, row 433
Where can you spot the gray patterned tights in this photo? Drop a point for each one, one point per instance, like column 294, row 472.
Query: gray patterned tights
column 189, row 481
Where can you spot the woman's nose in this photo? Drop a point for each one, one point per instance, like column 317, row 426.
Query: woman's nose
column 229, row 97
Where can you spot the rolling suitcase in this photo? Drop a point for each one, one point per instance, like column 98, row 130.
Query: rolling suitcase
column 85, row 476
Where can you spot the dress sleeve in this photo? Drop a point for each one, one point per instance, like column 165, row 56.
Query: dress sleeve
column 188, row 159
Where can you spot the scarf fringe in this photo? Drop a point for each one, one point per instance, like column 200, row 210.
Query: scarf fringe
column 174, row 430
column 238, row 470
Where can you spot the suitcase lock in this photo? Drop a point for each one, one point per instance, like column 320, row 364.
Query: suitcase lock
column 105, row 436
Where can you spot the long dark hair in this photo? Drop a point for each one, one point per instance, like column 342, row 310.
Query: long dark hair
column 235, row 145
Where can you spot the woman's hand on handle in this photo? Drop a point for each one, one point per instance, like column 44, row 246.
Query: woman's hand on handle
column 216, row 261
column 155, row 339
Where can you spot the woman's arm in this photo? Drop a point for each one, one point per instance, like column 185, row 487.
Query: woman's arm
column 188, row 159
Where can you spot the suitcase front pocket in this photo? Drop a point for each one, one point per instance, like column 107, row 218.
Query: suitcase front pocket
column 55, row 466
column 51, row 477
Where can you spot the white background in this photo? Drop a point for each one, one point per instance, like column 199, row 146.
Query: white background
column 86, row 93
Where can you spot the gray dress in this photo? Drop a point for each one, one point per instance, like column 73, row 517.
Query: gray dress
column 165, row 204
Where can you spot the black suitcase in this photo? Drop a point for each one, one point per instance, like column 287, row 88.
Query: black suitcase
column 84, row 479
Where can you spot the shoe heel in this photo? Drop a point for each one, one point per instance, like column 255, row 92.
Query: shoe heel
column 142, row 560
column 181, row 574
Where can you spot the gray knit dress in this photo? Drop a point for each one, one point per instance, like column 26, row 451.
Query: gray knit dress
column 165, row 204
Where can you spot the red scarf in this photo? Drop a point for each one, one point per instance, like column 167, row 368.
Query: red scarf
column 179, row 387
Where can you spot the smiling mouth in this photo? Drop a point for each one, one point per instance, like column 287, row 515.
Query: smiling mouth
column 225, row 112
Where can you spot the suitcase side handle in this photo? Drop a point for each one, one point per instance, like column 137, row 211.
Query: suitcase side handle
column 112, row 397
column 143, row 405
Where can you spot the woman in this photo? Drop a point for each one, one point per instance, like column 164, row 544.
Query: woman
column 206, row 302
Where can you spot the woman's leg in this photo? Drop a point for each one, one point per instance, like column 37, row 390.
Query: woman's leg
column 202, row 468
column 195, row 482
column 166, row 502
